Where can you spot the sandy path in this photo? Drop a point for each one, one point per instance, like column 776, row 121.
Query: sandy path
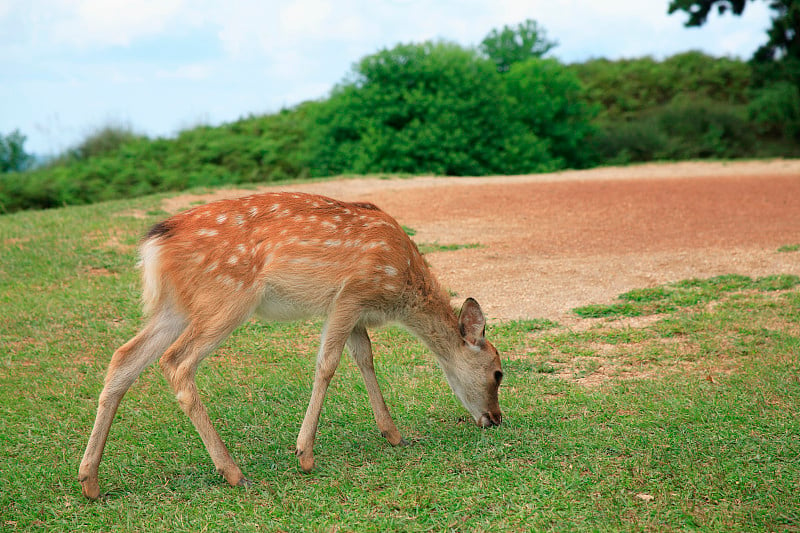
column 552, row 242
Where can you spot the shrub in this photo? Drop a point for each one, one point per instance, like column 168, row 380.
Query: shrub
column 626, row 88
column 627, row 141
column 548, row 100
column 104, row 141
column 701, row 128
column 775, row 110
column 423, row 108
column 686, row 128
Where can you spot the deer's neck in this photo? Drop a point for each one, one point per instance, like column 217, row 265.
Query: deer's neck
column 436, row 324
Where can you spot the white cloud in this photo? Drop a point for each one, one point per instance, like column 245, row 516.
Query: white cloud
column 193, row 71
column 309, row 17
column 110, row 22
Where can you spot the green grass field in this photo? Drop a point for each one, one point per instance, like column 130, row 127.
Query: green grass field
column 685, row 417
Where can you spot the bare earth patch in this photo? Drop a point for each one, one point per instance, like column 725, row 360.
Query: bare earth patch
column 552, row 242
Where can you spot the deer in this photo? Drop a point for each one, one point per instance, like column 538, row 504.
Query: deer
column 286, row 256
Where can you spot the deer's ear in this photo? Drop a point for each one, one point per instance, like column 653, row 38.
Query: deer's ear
column 472, row 323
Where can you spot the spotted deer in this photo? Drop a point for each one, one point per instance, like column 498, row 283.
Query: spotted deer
column 285, row 256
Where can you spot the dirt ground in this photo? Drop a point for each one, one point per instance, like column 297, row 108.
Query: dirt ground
column 552, row 242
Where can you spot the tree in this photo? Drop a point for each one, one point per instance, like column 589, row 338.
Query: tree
column 13, row 157
column 432, row 107
column 513, row 45
column 549, row 101
column 784, row 35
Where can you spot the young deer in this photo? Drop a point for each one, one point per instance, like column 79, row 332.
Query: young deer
column 285, row 256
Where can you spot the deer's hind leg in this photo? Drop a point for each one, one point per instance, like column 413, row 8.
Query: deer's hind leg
column 126, row 365
column 334, row 336
column 179, row 364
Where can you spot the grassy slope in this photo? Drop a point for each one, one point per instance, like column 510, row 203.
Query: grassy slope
column 694, row 423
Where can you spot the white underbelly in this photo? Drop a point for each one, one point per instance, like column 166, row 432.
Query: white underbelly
column 285, row 305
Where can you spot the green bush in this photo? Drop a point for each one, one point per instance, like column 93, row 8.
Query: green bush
column 626, row 88
column 686, row 128
column 442, row 109
column 418, row 108
column 700, row 128
column 104, row 141
column 548, row 100
column 112, row 164
column 775, row 110
column 621, row 142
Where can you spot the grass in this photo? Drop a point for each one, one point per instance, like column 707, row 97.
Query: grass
column 789, row 248
column 430, row 247
column 685, row 421
column 426, row 248
column 669, row 298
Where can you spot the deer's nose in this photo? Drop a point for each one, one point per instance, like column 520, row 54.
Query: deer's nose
column 488, row 420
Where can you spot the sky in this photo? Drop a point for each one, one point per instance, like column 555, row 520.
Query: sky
column 71, row 67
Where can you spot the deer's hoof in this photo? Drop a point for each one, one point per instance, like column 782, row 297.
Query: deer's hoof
column 306, row 460
column 90, row 488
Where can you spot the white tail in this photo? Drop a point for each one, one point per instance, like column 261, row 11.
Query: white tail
column 285, row 256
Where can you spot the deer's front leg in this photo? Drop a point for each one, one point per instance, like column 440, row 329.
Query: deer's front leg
column 334, row 335
column 361, row 349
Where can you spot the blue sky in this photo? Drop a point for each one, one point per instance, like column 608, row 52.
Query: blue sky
column 70, row 67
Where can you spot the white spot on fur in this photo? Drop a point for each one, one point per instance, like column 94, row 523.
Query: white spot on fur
column 253, row 211
column 239, row 220
column 390, row 270
column 222, row 218
column 333, row 242
column 207, row 232
column 232, row 260
column 241, row 248
column 211, row 267
column 225, row 280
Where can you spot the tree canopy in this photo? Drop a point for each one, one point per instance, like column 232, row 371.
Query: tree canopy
column 13, row 157
column 783, row 37
column 511, row 45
